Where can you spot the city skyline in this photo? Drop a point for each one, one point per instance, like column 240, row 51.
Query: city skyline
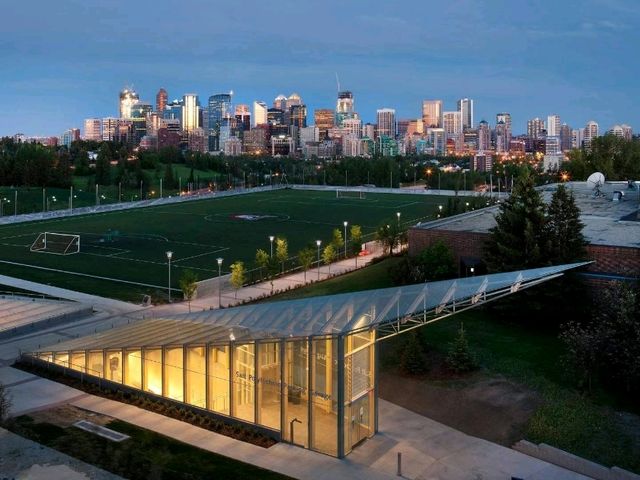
column 60, row 61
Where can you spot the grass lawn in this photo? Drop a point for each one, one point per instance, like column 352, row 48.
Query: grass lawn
column 592, row 426
column 131, row 245
column 145, row 455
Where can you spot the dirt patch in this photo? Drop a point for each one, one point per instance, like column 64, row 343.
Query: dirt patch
column 66, row 415
column 492, row 408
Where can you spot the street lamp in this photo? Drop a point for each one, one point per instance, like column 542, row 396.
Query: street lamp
column 398, row 214
column 318, row 242
column 271, row 239
column 345, row 223
column 169, row 255
column 219, row 272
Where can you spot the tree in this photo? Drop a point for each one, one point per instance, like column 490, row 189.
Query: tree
column 460, row 358
column 282, row 251
column 564, row 228
column 337, row 240
column 329, row 255
column 5, row 403
column 436, row 262
column 518, row 240
column 412, row 358
column 237, row 276
column 262, row 260
column 103, row 165
column 189, row 285
column 306, row 257
column 355, row 233
column 388, row 236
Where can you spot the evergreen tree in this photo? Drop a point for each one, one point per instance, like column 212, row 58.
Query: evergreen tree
column 412, row 358
column 518, row 240
column 460, row 358
column 564, row 228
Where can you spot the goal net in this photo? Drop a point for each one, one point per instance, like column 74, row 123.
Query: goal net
column 57, row 243
column 350, row 194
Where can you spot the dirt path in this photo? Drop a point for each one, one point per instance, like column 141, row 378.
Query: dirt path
column 490, row 408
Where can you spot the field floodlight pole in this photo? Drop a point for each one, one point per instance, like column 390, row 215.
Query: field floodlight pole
column 345, row 223
column 219, row 260
column 119, row 192
column 169, row 255
column 271, row 239
column 44, row 204
column 318, row 243
column 15, row 203
column 398, row 214
column 161, row 188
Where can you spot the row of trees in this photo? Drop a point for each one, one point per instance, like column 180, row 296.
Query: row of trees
column 617, row 158
column 33, row 165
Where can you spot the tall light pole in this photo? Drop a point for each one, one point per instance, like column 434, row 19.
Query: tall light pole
column 271, row 239
column 398, row 214
column 318, row 242
column 345, row 223
column 169, row 255
column 219, row 272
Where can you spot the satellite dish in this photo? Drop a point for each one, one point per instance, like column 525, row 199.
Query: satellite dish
column 595, row 181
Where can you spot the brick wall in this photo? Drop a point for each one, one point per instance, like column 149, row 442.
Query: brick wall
column 611, row 260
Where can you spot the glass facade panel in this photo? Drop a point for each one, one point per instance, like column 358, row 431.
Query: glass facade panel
column 114, row 366
column 152, row 373
column 95, row 362
column 77, row 361
column 268, row 381
column 218, row 377
column 61, row 358
column 133, row 368
column 174, row 374
column 359, row 394
column 244, row 382
column 195, row 376
column 324, row 396
column 296, row 407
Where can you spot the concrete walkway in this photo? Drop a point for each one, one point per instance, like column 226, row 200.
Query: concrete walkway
column 429, row 449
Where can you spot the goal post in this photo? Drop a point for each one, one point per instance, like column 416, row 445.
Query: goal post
column 56, row 243
column 359, row 194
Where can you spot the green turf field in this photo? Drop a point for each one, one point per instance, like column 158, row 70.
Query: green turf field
column 131, row 245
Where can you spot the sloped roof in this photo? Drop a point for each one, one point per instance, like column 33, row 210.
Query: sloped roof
column 315, row 316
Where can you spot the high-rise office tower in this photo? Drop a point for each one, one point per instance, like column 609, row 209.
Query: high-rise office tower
column 128, row 98
column 502, row 137
column 553, row 125
column 591, row 131
column 465, row 107
column 93, row 129
column 432, row 113
column 344, row 107
column 280, row 102
column 505, row 118
column 190, row 112
column 218, row 109
column 109, row 128
column 535, row 128
column 452, row 124
column 324, row 119
column 259, row 113
column 293, row 99
column 139, row 114
column 352, row 126
column 298, row 116
column 565, row 137
column 484, row 136
column 243, row 117
column 577, row 136
column 161, row 100
column 386, row 121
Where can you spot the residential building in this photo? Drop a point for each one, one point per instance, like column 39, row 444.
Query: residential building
column 535, row 128
column 432, row 113
column 386, row 122
column 591, row 131
column 553, row 125
column 128, row 98
column 465, row 107
column 484, row 136
column 93, row 129
column 161, row 100
column 482, row 162
column 259, row 113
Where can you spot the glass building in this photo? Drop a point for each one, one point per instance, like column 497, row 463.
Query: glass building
column 303, row 370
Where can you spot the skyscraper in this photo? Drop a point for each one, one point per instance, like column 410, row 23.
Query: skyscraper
column 298, row 116
column 344, row 107
column 280, row 102
column 190, row 112
column 465, row 107
column 218, row 109
column 324, row 119
column 128, row 98
column 243, row 118
column 452, row 124
column 259, row 113
column 161, row 100
column 535, row 128
column 591, row 131
column 386, row 121
column 505, row 118
column 565, row 137
column 484, row 136
column 553, row 125
column 93, row 129
column 432, row 113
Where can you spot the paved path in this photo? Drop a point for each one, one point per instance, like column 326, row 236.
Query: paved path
column 430, row 450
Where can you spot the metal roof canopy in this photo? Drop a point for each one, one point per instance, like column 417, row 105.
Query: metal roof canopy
column 389, row 310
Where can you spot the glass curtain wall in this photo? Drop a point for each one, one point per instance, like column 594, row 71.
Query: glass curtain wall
column 113, row 370
column 152, row 372
column 218, row 379
column 324, row 395
column 196, row 376
column 296, row 392
column 244, row 382
column 133, row 368
column 269, row 384
column 173, row 373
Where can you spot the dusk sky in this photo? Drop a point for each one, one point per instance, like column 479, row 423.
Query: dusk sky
column 65, row 61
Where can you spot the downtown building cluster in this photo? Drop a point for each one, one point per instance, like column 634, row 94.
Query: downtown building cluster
column 285, row 127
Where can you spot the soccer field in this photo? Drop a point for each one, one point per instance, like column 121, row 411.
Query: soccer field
column 131, row 244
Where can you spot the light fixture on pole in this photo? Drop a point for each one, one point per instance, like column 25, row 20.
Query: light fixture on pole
column 219, row 272
column 345, row 223
column 398, row 214
column 271, row 239
column 318, row 242
column 169, row 255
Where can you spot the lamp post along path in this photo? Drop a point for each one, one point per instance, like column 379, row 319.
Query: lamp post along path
column 169, row 255
column 219, row 260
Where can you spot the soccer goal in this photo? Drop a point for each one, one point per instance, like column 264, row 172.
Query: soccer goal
column 351, row 194
column 57, row 243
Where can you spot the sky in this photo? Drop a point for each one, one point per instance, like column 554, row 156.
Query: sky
column 61, row 62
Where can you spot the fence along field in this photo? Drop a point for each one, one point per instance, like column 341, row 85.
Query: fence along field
column 130, row 245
